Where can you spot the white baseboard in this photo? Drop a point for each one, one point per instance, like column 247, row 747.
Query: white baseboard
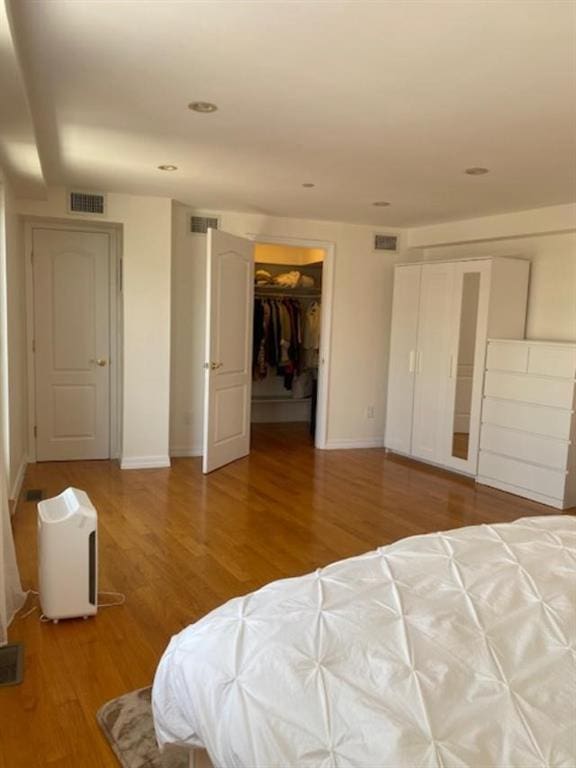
column 17, row 485
column 184, row 451
column 144, row 462
column 350, row 443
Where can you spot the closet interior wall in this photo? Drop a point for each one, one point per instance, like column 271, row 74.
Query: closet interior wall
column 272, row 401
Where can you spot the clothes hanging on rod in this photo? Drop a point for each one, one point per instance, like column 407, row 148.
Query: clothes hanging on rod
column 278, row 340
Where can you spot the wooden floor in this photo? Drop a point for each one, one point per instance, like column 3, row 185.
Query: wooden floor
column 179, row 544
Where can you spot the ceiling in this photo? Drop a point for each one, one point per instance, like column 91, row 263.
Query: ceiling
column 369, row 101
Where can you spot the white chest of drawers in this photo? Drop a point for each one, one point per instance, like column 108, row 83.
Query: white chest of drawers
column 528, row 427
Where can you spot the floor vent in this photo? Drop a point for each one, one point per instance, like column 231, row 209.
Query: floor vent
column 11, row 664
column 199, row 225
column 86, row 202
column 34, row 494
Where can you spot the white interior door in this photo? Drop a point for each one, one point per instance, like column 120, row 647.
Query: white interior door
column 435, row 335
column 402, row 360
column 71, row 278
column 228, row 366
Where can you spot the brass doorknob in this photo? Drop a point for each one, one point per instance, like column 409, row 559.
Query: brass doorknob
column 214, row 366
column 101, row 361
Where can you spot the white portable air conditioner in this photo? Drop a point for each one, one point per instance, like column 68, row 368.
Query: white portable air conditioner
column 68, row 556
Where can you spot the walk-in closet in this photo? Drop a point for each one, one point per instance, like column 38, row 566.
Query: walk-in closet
column 286, row 334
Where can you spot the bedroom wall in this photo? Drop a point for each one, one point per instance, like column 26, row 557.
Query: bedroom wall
column 545, row 236
column 14, row 331
column 146, row 251
column 361, row 317
column 552, row 295
column 17, row 370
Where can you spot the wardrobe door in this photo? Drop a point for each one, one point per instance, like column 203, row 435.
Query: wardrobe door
column 467, row 356
column 402, row 358
column 433, row 362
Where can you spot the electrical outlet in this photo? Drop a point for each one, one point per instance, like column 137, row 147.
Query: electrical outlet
column 370, row 412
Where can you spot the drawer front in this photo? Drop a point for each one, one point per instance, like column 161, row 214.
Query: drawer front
column 531, row 418
column 525, row 447
column 545, row 481
column 529, row 389
column 552, row 361
column 507, row 357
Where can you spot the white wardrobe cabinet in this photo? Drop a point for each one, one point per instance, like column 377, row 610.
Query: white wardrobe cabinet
column 442, row 315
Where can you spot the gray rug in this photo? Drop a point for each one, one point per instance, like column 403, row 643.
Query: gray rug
column 127, row 724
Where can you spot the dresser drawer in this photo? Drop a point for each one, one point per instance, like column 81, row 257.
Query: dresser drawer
column 547, row 482
column 531, row 418
column 507, row 357
column 552, row 361
column 529, row 389
column 524, row 446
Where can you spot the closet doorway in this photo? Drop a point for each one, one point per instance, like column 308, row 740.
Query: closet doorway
column 287, row 332
column 293, row 376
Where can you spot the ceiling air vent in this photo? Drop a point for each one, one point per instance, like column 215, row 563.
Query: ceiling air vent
column 199, row 225
column 385, row 242
column 86, row 202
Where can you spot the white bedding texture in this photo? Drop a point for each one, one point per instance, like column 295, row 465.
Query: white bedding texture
column 448, row 649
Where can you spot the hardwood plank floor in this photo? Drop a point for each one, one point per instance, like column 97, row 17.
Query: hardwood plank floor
column 179, row 544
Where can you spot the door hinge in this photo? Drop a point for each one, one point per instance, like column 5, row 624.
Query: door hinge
column 35, row 431
column 33, row 345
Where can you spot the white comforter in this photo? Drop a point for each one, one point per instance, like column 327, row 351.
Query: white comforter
column 450, row 649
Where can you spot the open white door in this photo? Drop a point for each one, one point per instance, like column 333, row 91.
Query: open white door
column 228, row 366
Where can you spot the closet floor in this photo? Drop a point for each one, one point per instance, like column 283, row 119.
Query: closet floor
column 178, row 544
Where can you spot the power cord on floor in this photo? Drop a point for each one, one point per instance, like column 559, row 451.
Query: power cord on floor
column 120, row 600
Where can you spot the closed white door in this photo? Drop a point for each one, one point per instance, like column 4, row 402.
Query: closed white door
column 71, row 276
column 402, row 360
column 228, row 380
column 435, row 335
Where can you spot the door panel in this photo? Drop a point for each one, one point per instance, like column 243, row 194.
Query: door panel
column 403, row 342
column 433, row 362
column 71, row 277
column 230, row 289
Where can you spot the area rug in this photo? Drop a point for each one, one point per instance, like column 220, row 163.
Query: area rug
column 127, row 724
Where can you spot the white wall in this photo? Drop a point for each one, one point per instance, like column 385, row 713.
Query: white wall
column 545, row 236
column 552, row 294
column 360, row 325
column 146, row 250
column 16, row 326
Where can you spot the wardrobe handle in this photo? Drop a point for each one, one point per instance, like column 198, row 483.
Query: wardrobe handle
column 412, row 361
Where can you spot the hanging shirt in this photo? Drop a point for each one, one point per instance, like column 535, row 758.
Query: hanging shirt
column 311, row 340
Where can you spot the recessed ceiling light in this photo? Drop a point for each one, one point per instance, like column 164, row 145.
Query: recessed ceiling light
column 205, row 107
column 381, row 203
column 477, row 171
column 308, row 185
column 167, row 167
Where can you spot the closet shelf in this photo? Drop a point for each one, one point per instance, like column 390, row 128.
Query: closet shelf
column 279, row 399
column 268, row 292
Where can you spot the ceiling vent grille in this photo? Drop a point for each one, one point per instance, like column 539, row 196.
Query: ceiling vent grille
column 199, row 225
column 87, row 202
column 385, row 242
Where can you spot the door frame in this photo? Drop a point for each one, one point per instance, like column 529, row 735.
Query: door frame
column 114, row 231
column 327, row 301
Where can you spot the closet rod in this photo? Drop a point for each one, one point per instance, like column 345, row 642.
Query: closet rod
column 279, row 295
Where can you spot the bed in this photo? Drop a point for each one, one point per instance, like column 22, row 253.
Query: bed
column 449, row 649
